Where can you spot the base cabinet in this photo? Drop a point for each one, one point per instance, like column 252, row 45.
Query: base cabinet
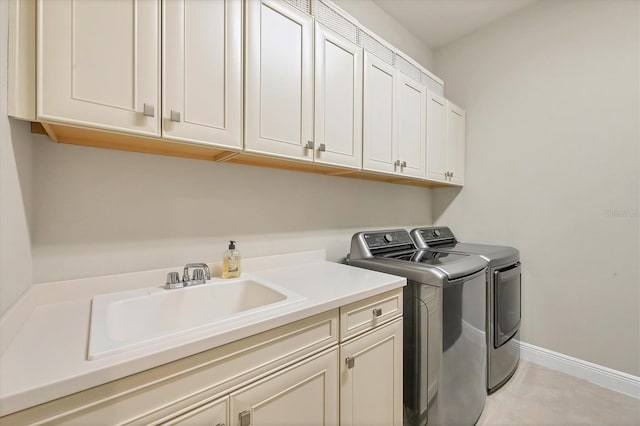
column 304, row 394
column 215, row 413
column 371, row 378
column 292, row 375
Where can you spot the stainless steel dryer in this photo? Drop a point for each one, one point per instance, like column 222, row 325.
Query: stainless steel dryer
column 503, row 298
column 444, row 358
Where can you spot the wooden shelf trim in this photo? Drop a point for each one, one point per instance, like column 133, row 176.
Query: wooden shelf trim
column 61, row 133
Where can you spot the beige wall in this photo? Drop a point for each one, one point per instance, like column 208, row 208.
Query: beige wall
column 15, row 191
column 377, row 20
column 552, row 101
column 101, row 212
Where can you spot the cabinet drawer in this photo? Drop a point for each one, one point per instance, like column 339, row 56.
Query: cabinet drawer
column 170, row 390
column 366, row 314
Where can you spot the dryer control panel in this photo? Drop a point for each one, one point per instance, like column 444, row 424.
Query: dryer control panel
column 436, row 234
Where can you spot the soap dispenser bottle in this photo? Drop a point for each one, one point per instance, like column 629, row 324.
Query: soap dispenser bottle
column 231, row 262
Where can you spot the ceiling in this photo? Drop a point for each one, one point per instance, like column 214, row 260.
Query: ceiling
column 438, row 22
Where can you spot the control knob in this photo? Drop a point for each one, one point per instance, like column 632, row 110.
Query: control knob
column 436, row 232
column 388, row 237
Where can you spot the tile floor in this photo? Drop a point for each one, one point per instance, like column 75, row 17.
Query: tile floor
column 536, row 395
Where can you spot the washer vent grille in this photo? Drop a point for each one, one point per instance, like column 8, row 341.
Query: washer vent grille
column 332, row 19
column 432, row 84
column 372, row 45
column 303, row 5
column 338, row 21
column 408, row 68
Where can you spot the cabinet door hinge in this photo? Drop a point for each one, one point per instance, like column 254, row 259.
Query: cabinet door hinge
column 245, row 418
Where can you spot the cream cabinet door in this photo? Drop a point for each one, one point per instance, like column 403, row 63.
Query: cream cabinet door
column 304, row 394
column 371, row 378
column 98, row 64
column 436, row 137
column 279, row 80
column 202, row 71
column 215, row 413
column 338, row 100
column 412, row 115
column 455, row 143
column 380, row 130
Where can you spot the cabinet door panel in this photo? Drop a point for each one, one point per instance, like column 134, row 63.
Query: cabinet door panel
column 279, row 101
column 215, row 413
column 436, row 137
column 338, row 99
column 456, row 142
column 411, row 126
column 305, row 394
column 371, row 389
column 380, row 131
column 98, row 64
column 202, row 71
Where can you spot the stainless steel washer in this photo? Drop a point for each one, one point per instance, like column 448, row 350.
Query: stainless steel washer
column 444, row 342
column 503, row 298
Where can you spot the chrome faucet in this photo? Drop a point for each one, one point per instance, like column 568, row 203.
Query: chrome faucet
column 201, row 274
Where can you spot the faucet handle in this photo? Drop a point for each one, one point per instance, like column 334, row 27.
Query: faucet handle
column 173, row 280
column 198, row 274
column 203, row 267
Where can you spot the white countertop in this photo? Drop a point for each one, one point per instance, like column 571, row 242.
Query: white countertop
column 44, row 336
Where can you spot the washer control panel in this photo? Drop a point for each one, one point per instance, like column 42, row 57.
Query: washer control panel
column 436, row 234
column 387, row 238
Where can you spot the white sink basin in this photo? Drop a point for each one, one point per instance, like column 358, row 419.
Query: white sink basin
column 129, row 319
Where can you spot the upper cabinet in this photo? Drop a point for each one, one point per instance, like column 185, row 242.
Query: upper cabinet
column 202, row 71
column 445, row 140
column 412, row 118
column 228, row 79
column 394, row 120
column 338, row 100
column 456, row 143
column 279, row 80
column 380, row 122
column 98, row 64
column 99, row 67
column 436, row 137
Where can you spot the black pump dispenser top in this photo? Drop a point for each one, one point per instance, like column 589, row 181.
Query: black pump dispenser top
column 232, row 245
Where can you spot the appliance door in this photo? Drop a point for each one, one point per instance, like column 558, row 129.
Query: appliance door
column 507, row 286
column 422, row 350
column 462, row 373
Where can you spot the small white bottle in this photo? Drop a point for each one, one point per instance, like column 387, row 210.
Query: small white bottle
column 231, row 262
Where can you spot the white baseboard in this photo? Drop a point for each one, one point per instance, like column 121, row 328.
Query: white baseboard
column 618, row 381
